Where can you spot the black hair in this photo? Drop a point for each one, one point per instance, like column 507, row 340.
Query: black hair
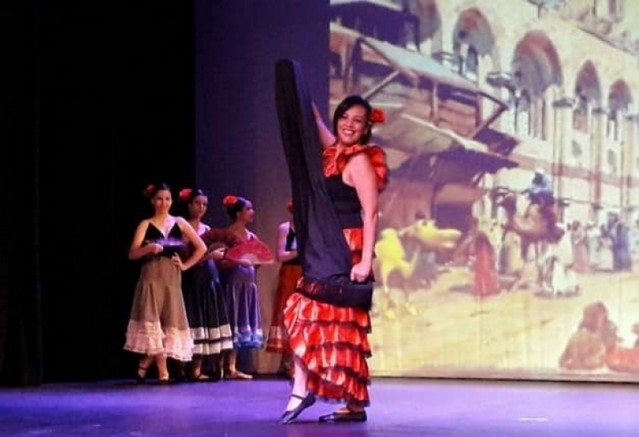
column 193, row 193
column 152, row 189
column 233, row 205
column 185, row 197
column 348, row 103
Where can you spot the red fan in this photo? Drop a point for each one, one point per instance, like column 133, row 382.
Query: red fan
column 251, row 250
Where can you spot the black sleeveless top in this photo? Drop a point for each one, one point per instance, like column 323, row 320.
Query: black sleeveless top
column 291, row 244
column 345, row 201
column 173, row 243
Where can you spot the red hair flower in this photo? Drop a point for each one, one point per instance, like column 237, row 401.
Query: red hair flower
column 229, row 200
column 185, row 194
column 289, row 206
column 149, row 189
column 377, row 116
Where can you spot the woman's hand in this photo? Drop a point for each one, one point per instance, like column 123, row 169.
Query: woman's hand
column 155, row 248
column 231, row 263
column 360, row 272
column 217, row 254
column 245, row 263
column 178, row 261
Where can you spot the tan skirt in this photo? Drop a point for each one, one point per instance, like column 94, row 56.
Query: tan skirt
column 158, row 322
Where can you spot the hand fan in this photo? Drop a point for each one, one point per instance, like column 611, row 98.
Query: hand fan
column 251, row 250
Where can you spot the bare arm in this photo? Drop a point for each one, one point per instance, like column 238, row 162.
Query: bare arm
column 137, row 250
column 195, row 240
column 284, row 255
column 326, row 137
column 359, row 173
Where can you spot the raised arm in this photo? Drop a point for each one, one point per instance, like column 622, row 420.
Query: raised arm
column 326, row 137
column 360, row 174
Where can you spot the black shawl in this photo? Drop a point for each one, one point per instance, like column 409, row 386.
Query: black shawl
column 322, row 249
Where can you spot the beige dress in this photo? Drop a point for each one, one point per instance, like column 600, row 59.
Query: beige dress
column 158, row 322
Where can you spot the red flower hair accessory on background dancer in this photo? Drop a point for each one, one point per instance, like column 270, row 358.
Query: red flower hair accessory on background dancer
column 149, row 189
column 289, row 206
column 185, row 194
column 377, row 116
column 229, row 200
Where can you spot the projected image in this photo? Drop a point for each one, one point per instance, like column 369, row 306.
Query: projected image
column 509, row 231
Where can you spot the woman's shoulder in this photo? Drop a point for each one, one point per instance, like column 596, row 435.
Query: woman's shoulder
column 143, row 226
column 372, row 150
column 284, row 226
column 181, row 221
column 376, row 156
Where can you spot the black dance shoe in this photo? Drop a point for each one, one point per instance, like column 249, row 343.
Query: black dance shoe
column 343, row 417
column 290, row 415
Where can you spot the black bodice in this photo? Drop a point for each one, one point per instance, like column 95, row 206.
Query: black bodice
column 290, row 240
column 345, row 201
column 173, row 243
column 291, row 244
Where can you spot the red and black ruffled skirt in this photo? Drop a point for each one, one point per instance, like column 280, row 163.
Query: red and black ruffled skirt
column 332, row 343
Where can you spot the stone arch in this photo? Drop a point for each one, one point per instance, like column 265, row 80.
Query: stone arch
column 587, row 92
column 587, row 83
column 430, row 21
column 535, row 69
column 619, row 101
column 473, row 30
column 619, row 96
column 535, row 64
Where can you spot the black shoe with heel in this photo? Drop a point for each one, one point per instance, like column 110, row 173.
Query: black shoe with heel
column 290, row 415
column 343, row 417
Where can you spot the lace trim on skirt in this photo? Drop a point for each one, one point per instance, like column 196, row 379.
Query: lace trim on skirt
column 149, row 338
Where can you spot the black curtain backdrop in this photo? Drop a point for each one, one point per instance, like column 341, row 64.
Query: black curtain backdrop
column 101, row 101
column 104, row 106
column 237, row 136
column 237, row 45
column 20, row 309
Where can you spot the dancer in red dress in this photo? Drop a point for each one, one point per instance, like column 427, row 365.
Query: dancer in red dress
column 328, row 334
column 290, row 272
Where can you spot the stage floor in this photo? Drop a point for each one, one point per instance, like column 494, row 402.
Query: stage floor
column 400, row 407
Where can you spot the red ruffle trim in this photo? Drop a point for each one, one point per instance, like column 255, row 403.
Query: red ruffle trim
column 288, row 276
column 302, row 309
column 332, row 343
column 377, row 156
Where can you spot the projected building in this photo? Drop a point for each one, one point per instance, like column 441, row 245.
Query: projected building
column 480, row 96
